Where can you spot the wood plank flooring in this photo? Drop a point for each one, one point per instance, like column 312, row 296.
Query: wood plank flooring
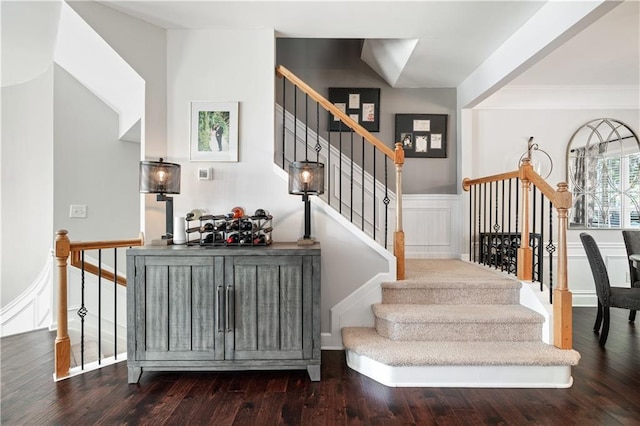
column 606, row 391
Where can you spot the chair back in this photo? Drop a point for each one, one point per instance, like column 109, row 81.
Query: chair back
column 598, row 268
column 632, row 243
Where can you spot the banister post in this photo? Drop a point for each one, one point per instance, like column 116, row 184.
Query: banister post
column 562, row 298
column 398, row 235
column 62, row 343
column 525, row 253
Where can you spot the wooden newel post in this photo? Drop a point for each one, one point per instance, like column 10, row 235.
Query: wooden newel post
column 62, row 344
column 398, row 235
column 562, row 299
column 525, row 253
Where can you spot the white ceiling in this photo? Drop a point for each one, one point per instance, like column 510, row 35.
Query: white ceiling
column 453, row 37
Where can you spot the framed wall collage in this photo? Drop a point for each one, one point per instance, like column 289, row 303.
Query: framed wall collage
column 362, row 105
column 422, row 135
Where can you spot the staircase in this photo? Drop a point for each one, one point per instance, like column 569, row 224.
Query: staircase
column 456, row 324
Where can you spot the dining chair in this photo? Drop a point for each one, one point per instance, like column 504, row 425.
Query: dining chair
column 608, row 296
column 632, row 244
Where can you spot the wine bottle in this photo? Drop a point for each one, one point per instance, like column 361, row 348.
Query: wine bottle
column 233, row 239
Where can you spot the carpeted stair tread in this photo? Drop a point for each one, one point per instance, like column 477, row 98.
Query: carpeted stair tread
column 456, row 313
column 367, row 342
column 455, row 282
column 441, row 269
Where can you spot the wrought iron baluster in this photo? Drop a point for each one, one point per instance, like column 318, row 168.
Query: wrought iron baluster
column 295, row 123
column 540, row 241
column 362, row 188
column 284, row 119
column 386, row 201
column 115, row 303
column 502, row 265
column 82, row 312
column 351, row 181
column 374, row 193
column 99, row 304
column 551, row 248
column 306, row 127
column 340, row 168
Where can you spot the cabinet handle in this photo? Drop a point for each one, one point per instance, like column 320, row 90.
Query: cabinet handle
column 227, row 310
column 218, row 313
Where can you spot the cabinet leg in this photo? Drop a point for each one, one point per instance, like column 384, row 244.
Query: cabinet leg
column 314, row 372
column 134, row 374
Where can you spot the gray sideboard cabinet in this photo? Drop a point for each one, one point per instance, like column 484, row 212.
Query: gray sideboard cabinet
column 223, row 308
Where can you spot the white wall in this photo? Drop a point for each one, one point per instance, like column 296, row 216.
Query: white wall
column 229, row 66
column 143, row 47
column 499, row 137
column 27, row 183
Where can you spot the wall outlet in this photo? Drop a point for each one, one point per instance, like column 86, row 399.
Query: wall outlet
column 78, row 210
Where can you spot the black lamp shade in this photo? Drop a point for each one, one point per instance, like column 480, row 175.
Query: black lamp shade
column 306, row 178
column 158, row 177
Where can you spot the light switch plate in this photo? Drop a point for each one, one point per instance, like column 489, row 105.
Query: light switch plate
column 78, row 211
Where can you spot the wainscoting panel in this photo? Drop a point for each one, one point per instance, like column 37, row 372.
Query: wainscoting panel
column 431, row 226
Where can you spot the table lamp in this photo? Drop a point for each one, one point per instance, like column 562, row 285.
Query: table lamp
column 159, row 177
column 306, row 178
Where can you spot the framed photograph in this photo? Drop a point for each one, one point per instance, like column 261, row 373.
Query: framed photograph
column 214, row 131
column 422, row 135
column 361, row 104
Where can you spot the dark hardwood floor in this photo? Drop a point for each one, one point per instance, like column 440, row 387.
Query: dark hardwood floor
column 606, row 391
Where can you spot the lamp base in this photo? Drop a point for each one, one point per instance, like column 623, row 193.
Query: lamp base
column 162, row 242
column 306, row 241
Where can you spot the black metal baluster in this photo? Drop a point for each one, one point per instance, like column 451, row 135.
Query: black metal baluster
column 386, row 201
column 306, row 126
column 295, row 122
column 374, row 192
column 551, row 248
column 518, row 188
column 82, row 312
column 351, row 181
column 99, row 304
column 362, row 188
column 329, row 167
column 115, row 303
column 533, row 232
column 502, row 265
column 340, row 167
column 539, row 242
column 284, row 120
column 471, row 211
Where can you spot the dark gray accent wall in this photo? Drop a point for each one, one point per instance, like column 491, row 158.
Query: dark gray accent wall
column 324, row 63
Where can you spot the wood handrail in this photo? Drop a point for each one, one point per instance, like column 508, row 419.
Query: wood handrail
column 561, row 199
column 396, row 155
column 65, row 249
column 281, row 71
column 468, row 183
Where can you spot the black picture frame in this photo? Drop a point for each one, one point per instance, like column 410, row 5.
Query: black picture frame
column 422, row 135
column 361, row 104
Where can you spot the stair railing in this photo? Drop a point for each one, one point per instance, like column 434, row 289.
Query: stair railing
column 507, row 231
column 346, row 160
column 65, row 250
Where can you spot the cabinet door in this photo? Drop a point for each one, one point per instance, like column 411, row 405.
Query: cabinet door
column 178, row 308
column 270, row 299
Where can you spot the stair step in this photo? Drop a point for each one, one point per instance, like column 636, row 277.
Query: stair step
column 457, row 322
column 367, row 342
column 452, row 292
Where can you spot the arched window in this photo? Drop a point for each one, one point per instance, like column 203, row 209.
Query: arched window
column 603, row 167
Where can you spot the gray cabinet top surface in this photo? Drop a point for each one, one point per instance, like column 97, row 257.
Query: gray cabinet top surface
column 274, row 249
